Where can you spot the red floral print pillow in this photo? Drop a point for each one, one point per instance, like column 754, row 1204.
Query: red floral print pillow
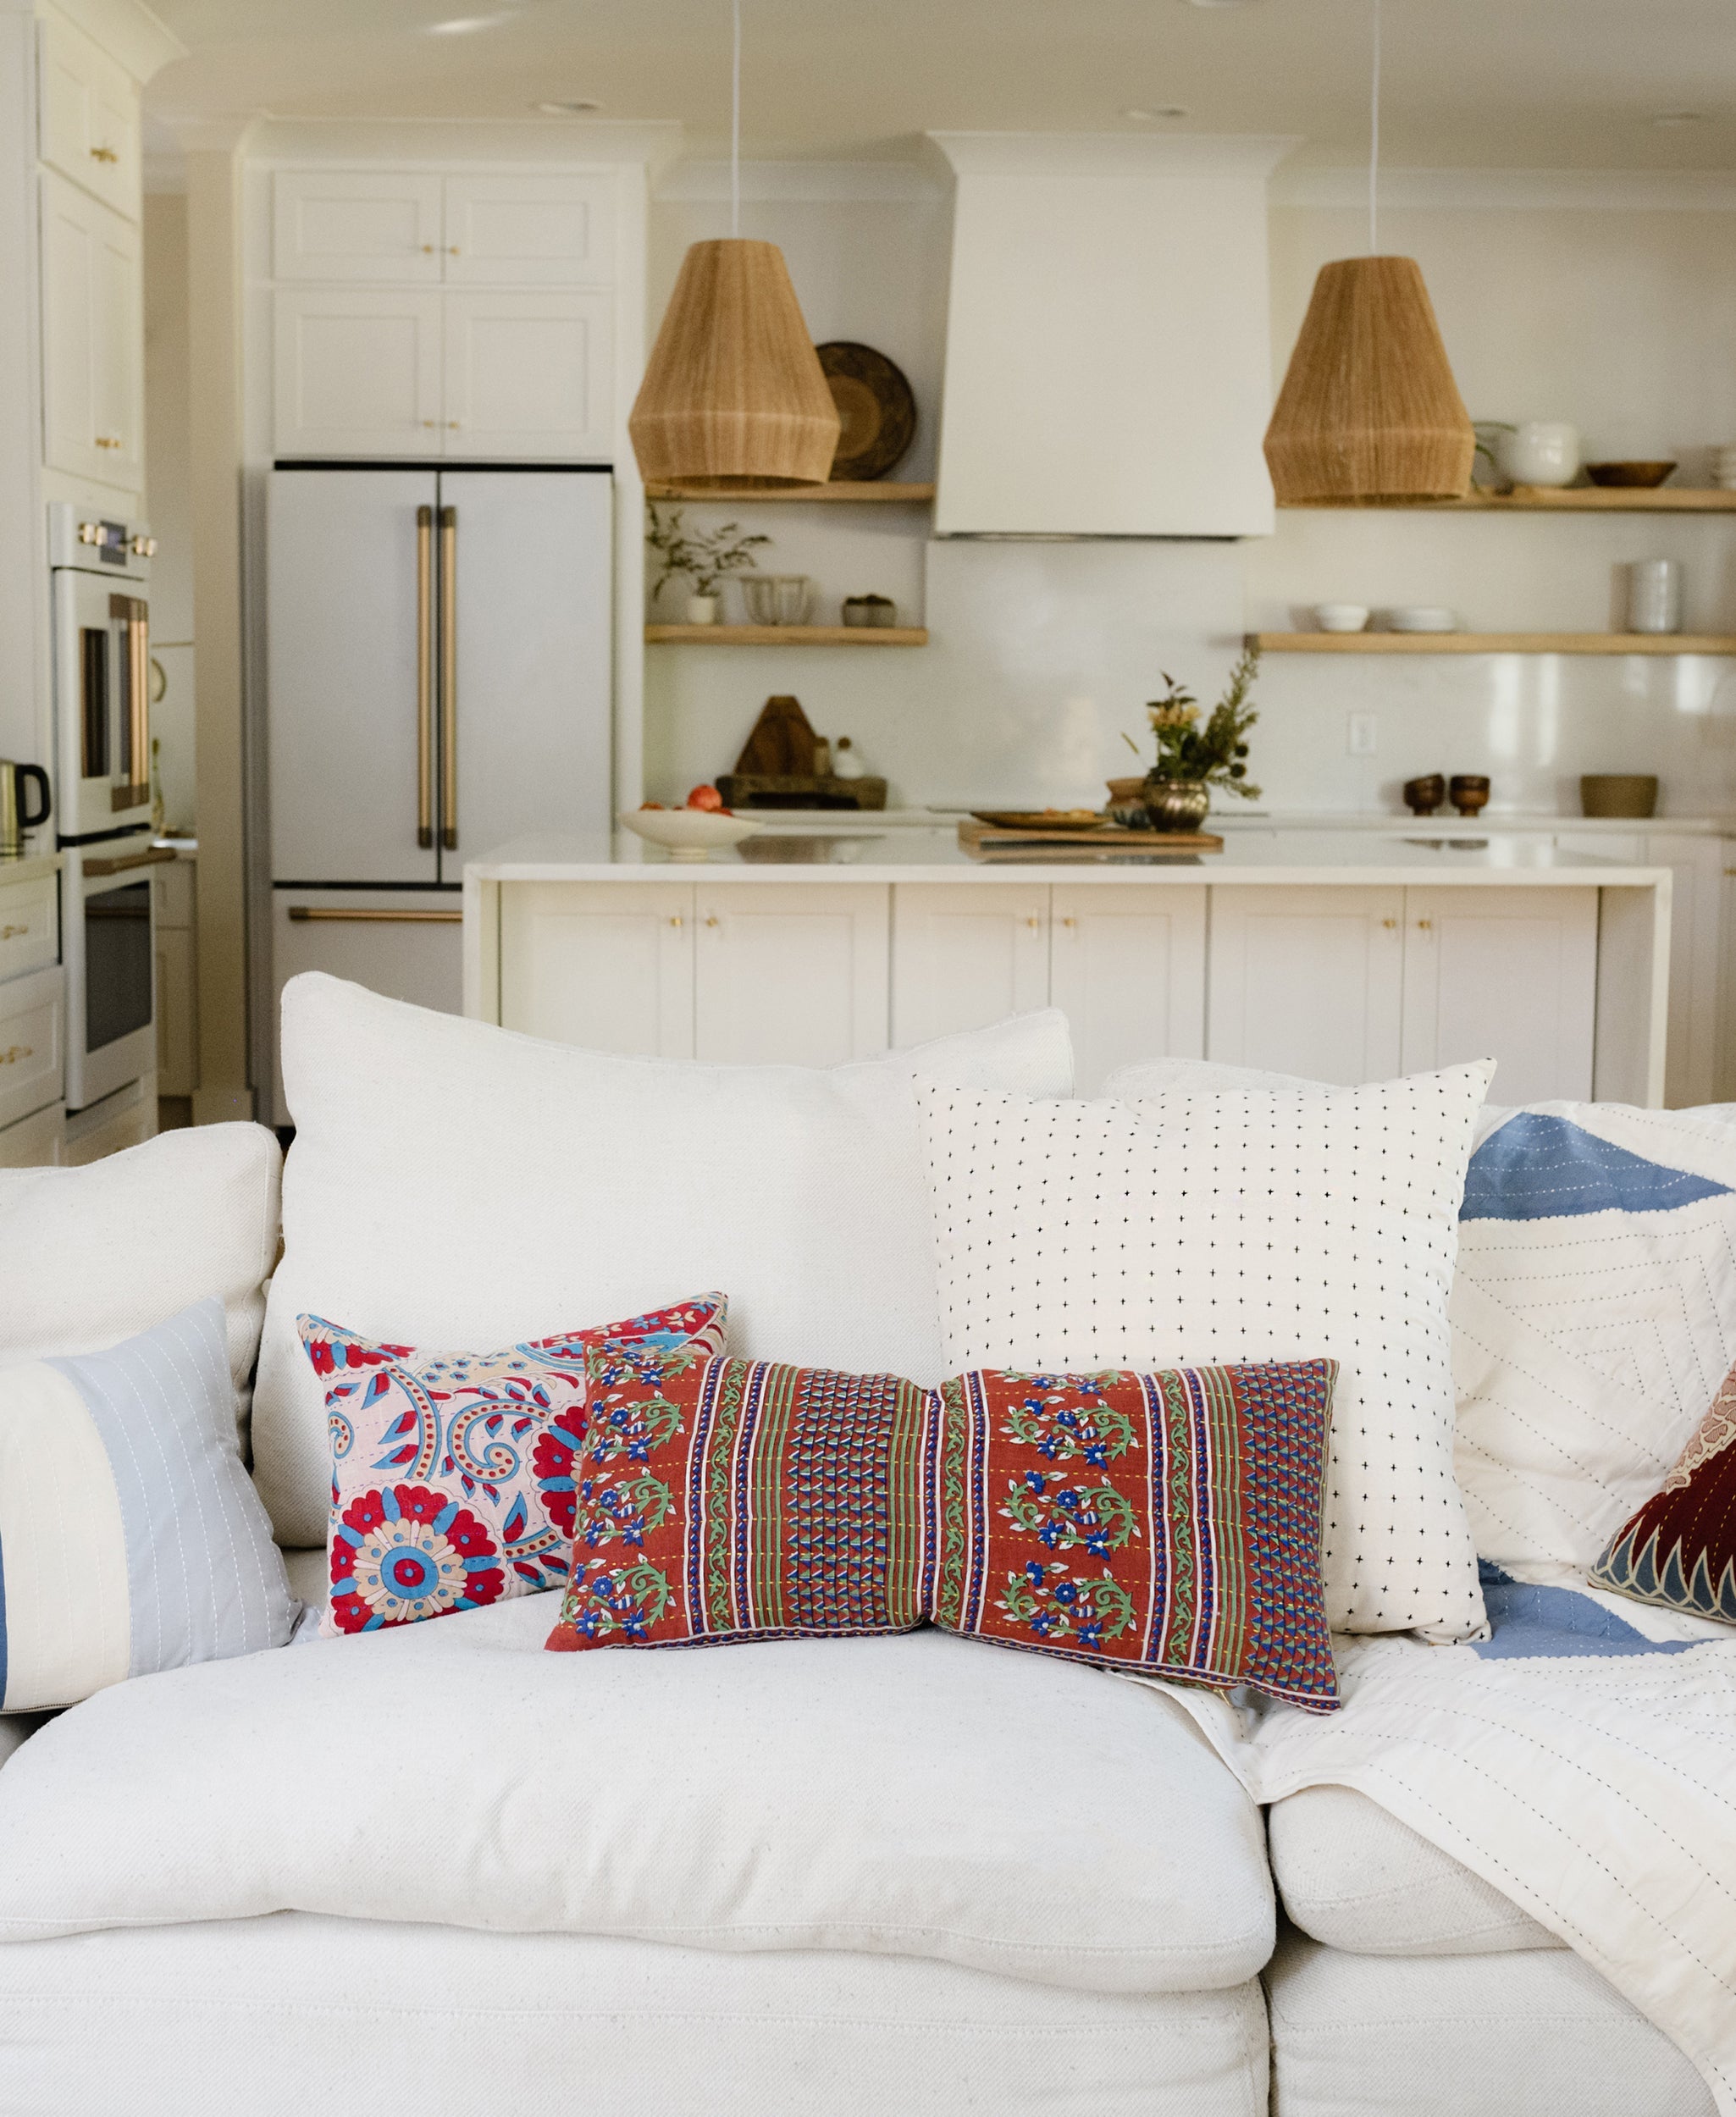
column 452, row 1481
column 1679, row 1551
column 1168, row 1522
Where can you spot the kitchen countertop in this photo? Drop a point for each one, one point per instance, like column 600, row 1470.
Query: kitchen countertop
column 1274, row 857
column 827, row 822
column 28, row 865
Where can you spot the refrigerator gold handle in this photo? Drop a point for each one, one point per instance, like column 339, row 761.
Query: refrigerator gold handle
column 138, row 633
column 449, row 678
column 424, row 676
column 350, row 916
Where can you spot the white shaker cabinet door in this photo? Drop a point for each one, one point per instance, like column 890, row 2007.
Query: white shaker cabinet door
column 93, row 339
column 382, row 226
column 523, row 230
column 1308, row 981
column 1127, row 966
column 87, row 115
column 789, row 975
column 529, row 375
column 1697, row 866
column 357, row 372
column 965, row 955
column 609, row 967
column 1504, row 974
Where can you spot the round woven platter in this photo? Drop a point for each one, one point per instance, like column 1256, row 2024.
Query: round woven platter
column 875, row 405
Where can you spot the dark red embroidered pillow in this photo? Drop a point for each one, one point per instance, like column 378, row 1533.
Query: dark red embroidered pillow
column 1168, row 1522
column 1679, row 1551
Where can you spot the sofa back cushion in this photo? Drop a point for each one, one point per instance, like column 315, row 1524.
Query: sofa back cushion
column 91, row 1255
column 454, row 1184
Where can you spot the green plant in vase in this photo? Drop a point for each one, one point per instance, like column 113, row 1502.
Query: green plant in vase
column 703, row 558
column 1194, row 758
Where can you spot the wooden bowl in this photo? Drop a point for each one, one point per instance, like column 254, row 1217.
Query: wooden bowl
column 1640, row 476
column 1468, row 791
column 1618, row 793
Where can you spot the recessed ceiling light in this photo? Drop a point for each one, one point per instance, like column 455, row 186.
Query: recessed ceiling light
column 1669, row 118
column 573, row 106
column 1157, row 111
column 1218, row 3
column 469, row 25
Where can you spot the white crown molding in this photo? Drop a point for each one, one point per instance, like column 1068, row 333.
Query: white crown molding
column 818, row 182
column 655, row 143
column 1586, row 190
column 128, row 31
column 1113, row 153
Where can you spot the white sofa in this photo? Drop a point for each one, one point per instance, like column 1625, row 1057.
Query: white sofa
column 440, row 1870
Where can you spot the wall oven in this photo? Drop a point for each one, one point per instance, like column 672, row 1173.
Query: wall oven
column 100, row 571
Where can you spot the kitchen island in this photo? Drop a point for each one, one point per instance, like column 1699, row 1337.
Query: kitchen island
column 1337, row 955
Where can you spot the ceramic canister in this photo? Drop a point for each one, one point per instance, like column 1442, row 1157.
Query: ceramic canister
column 1542, row 452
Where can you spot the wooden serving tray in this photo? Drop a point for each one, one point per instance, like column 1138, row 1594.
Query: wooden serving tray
column 984, row 840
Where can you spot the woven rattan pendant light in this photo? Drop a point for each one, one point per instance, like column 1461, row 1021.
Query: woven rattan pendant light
column 1369, row 410
column 733, row 393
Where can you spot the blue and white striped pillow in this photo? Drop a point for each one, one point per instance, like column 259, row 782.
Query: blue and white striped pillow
column 131, row 1538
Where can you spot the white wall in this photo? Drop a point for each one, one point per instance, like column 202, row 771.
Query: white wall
column 1619, row 316
column 167, row 413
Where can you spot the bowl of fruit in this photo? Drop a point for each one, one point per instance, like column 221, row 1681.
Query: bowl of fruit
column 692, row 831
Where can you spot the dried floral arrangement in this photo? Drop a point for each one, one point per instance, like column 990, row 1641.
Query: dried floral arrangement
column 1212, row 754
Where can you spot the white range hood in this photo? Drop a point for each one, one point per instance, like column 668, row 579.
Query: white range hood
column 1108, row 363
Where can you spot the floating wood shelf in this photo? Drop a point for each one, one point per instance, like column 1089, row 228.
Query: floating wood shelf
column 787, row 635
column 1571, row 500
column 878, row 489
column 1494, row 642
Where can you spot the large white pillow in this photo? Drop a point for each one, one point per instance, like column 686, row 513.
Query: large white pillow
column 91, row 1255
column 451, row 1184
column 1240, row 1226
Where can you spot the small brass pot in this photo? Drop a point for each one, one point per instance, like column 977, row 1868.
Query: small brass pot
column 1176, row 804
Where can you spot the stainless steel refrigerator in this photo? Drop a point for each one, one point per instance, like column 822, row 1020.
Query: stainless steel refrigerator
column 439, row 680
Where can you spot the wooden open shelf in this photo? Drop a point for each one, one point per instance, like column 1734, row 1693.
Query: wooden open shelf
column 788, row 635
column 1494, row 642
column 880, row 490
column 1570, row 499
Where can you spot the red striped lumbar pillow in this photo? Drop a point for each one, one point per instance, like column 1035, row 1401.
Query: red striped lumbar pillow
column 1168, row 1522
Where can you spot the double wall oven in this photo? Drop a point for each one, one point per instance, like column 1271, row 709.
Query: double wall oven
column 101, row 574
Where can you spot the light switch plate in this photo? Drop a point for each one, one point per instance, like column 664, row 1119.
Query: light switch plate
column 1363, row 737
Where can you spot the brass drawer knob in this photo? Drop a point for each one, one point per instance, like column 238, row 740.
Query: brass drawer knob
column 13, row 1053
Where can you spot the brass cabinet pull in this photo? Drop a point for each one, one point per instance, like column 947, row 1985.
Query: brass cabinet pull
column 1033, row 923
column 104, row 154
column 13, row 1053
column 677, row 922
column 449, row 678
column 424, row 674
column 712, row 919
column 1070, row 923
column 108, row 440
column 12, row 933
column 1425, row 925
column 1390, row 924
column 428, row 250
column 351, row 915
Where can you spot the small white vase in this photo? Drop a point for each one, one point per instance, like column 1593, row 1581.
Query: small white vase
column 1543, row 452
column 702, row 610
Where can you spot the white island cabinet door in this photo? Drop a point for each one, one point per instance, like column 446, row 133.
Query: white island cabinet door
column 608, row 967
column 1308, row 981
column 1127, row 967
column 789, row 975
column 1504, row 974
column 965, row 955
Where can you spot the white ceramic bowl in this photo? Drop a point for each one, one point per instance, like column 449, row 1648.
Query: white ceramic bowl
column 687, row 834
column 1341, row 618
column 1420, row 617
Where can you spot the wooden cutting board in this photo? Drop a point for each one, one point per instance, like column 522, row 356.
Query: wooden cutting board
column 984, row 840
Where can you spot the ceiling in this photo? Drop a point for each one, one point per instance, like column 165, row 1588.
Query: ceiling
column 1509, row 83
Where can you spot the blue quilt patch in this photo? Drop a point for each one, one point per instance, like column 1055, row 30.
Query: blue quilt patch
column 1554, row 1624
column 1538, row 1168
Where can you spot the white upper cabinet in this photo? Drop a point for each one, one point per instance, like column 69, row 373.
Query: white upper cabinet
column 521, row 231
column 357, row 372
column 379, row 226
column 87, row 116
column 93, row 339
column 1108, row 348
column 528, row 375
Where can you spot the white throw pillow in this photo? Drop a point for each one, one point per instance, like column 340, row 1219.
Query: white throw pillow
column 1594, row 1318
column 452, row 1184
column 1247, row 1226
column 91, row 1255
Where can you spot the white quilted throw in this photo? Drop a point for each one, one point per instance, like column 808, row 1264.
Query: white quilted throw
column 1580, row 1760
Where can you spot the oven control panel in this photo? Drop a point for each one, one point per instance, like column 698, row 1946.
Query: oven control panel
column 96, row 542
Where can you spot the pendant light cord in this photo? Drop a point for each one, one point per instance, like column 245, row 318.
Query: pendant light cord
column 735, row 126
column 1374, row 139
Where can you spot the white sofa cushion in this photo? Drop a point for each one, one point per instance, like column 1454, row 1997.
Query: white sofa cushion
column 91, row 1255
column 451, row 1184
column 918, row 1795
column 1534, row 2035
column 1351, row 1875
column 295, row 2015
column 1185, row 1229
